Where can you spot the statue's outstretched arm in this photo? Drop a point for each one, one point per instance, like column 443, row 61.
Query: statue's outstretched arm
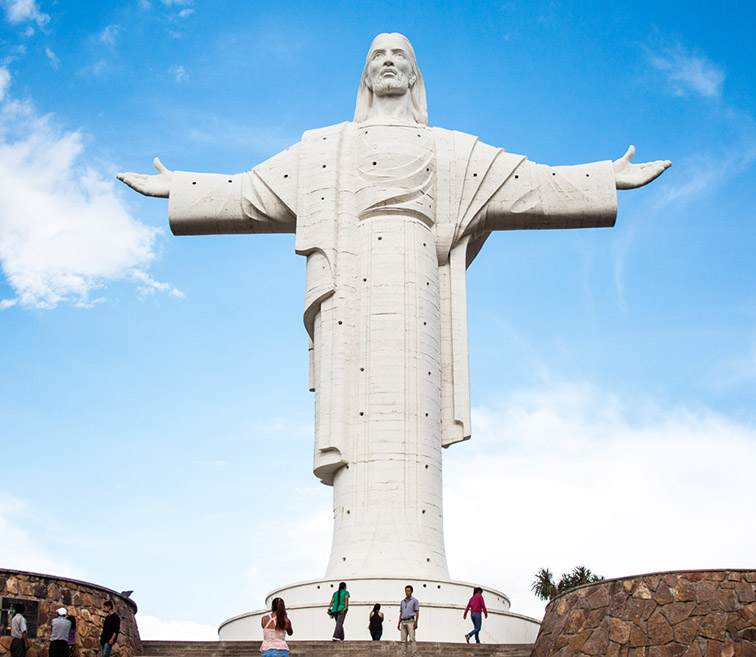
column 150, row 185
column 630, row 176
column 536, row 196
column 262, row 200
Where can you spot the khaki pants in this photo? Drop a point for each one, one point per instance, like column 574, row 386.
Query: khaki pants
column 407, row 628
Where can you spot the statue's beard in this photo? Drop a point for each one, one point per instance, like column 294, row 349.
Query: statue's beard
column 390, row 86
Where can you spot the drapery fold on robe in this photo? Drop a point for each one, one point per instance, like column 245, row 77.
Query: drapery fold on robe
column 468, row 173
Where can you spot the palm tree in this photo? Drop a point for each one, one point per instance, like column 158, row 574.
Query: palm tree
column 545, row 588
column 543, row 585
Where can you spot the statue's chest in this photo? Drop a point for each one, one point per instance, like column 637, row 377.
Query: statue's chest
column 395, row 171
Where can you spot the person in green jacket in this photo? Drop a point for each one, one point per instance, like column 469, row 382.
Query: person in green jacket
column 338, row 609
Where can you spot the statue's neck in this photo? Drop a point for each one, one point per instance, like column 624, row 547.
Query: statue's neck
column 391, row 109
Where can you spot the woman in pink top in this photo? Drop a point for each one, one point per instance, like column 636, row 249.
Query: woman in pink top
column 276, row 625
column 477, row 607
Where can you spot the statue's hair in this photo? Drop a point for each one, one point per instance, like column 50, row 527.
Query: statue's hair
column 417, row 90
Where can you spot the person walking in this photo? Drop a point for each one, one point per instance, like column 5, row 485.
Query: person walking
column 338, row 610
column 72, row 637
column 110, row 629
column 409, row 613
column 477, row 607
column 19, row 640
column 276, row 625
column 376, row 623
column 61, row 628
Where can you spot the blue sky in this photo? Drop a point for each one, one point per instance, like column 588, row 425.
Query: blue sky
column 156, row 423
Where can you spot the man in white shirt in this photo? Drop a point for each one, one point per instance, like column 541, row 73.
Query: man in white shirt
column 19, row 640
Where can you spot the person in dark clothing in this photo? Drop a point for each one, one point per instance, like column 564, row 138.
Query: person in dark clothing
column 72, row 637
column 376, row 623
column 110, row 629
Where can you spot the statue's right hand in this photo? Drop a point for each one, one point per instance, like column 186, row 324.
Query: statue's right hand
column 150, row 185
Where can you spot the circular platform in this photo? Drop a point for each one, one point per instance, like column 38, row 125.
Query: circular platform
column 442, row 603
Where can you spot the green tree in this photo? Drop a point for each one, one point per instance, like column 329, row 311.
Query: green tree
column 543, row 585
column 545, row 588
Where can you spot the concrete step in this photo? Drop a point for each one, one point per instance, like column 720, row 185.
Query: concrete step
column 332, row 649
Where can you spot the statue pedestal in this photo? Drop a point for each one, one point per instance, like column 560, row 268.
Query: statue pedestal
column 442, row 603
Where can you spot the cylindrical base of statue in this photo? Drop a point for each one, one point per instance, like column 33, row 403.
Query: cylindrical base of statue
column 442, row 603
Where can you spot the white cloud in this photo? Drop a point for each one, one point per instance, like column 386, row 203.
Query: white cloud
column 572, row 475
column 54, row 61
column 701, row 175
column 64, row 232
column 180, row 73
column 688, row 72
column 5, row 80
column 704, row 173
column 19, row 11
column 147, row 286
column 109, row 34
column 182, row 13
column 152, row 628
column 97, row 69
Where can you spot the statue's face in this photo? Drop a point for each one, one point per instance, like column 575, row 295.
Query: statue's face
column 389, row 70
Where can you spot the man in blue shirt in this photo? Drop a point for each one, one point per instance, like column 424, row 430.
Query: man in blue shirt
column 409, row 613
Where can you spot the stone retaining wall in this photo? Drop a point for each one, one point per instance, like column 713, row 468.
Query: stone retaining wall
column 673, row 614
column 82, row 600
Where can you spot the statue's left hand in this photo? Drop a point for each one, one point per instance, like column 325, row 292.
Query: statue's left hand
column 630, row 176
column 150, row 185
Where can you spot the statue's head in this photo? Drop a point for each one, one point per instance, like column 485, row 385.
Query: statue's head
column 391, row 69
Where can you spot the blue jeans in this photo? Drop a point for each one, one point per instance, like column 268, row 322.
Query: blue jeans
column 105, row 649
column 272, row 652
column 477, row 620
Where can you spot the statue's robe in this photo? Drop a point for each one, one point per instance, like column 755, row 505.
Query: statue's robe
column 388, row 228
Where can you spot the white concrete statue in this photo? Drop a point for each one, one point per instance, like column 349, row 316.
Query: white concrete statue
column 389, row 214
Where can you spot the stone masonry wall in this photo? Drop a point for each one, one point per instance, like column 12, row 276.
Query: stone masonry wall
column 82, row 600
column 673, row 614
